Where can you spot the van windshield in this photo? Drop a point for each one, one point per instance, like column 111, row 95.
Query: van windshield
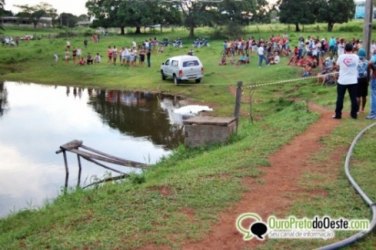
column 191, row 63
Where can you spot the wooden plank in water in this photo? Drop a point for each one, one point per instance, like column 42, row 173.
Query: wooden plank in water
column 107, row 155
column 209, row 120
column 126, row 163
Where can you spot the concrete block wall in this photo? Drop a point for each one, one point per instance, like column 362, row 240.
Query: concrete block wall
column 197, row 135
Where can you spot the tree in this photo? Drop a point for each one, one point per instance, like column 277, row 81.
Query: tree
column 335, row 11
column 135, row 14
column 101, row 10
column 36, row 12
column 196, row 13
column 68, row 20
column 167, row 13
column 113, row 13
column 298, row 12
column 83, row 17
column 241, row 12
column 2, row 12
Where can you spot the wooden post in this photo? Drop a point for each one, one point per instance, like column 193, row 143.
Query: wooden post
column 66, row 171
column 79, row 171
column 367, row 28
column 237, row 103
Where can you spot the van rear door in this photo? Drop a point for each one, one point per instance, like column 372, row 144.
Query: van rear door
column 192, row 69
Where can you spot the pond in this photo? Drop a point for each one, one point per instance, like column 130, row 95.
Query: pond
column 36, row 119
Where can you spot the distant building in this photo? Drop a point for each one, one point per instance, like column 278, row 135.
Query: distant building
column 84, row 23
column 360, row 9
column 44, row 22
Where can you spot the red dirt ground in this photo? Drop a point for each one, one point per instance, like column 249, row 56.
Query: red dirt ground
column 279, row 186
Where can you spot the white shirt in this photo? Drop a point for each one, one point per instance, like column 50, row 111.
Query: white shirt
column 260, row 50
column 341, row 49
column 373, row 47
column 348, row 68
column 277, row 59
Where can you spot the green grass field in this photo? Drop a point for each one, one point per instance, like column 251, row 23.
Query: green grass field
column 136, row 213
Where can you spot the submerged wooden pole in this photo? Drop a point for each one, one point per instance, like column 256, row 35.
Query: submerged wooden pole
column 79, row 171
column 92, row 155
column 66, row 171
column 102, row 165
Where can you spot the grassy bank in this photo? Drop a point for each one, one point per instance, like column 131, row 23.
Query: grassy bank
column 179, row 199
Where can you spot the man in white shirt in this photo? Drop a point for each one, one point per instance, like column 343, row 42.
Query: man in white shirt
column 341, row 47
column 260, row 53
column 348, row 79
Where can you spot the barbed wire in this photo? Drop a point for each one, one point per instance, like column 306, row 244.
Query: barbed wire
column 263, row 84
column 252, row 87
column 292, row 80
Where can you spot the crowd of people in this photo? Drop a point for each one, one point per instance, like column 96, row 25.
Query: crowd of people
column 318, row 57
column 341, row 62
column 268, row 51
column 355, row 73
column 131, row 55
column 332, row 61
column 75, row 55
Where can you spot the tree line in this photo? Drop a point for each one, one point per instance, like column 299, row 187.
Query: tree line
column 194, row 13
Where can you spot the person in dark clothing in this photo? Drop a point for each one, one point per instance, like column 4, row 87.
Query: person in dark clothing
column 148, row 54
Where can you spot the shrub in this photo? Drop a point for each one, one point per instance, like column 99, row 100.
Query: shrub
column 351, row 27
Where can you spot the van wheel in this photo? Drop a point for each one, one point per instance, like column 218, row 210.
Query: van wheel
column 198, row 80
column 163, row 75
column 176, row 80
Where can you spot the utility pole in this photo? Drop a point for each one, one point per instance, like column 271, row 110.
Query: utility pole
column 367, row 30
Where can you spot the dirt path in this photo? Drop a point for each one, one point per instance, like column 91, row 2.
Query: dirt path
column 279, row 186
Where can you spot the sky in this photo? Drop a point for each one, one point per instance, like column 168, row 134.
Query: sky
column 76, row 7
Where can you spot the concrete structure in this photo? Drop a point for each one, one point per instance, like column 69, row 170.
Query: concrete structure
column 206, row 130
column 44, row 22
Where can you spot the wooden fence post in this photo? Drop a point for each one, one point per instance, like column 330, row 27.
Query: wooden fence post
column 237, row 103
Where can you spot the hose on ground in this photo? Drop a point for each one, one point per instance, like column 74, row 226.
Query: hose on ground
column 352, row 239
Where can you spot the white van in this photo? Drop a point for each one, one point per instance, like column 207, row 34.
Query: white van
column 181, row 68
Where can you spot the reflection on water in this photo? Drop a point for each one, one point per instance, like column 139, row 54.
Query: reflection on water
column 125, row 111
column 3, row 98
column 35, row 120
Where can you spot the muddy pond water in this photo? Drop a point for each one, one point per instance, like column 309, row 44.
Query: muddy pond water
column 36, row 119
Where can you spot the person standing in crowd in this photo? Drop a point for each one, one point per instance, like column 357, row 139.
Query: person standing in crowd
column 68, row 45
column 261, row 54
column 341, row 47
column 347, row 80
column 148, row 54
column 109, row 54
column 79, row 52
column 362, row 80
column 372, row 69
column 74, row 55
column 97, row 58
column 67, row 56
column 142, row 54
column 333, row 46
column 56, row 57
column 114, row 54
